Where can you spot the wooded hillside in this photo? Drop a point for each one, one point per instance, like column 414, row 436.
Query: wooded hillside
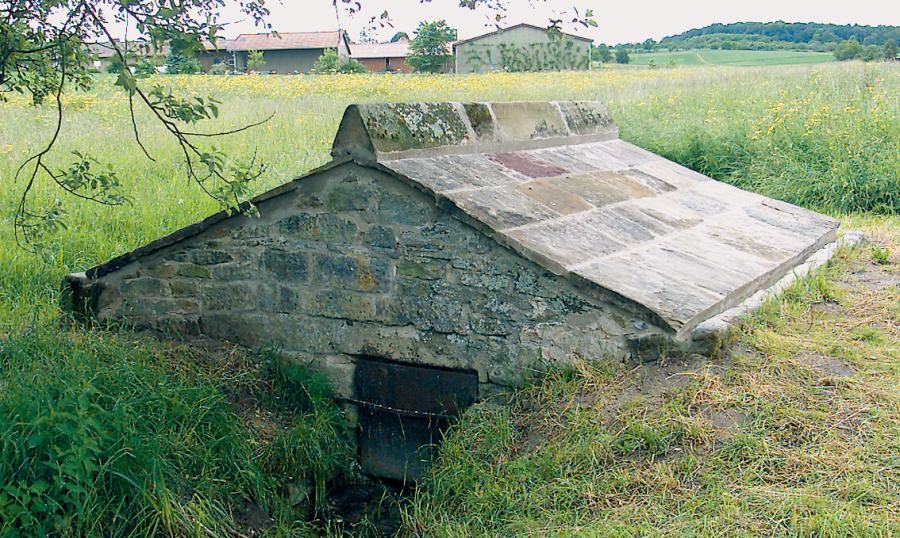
column 779, row 35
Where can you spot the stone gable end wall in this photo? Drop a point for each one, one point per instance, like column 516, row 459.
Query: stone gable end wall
column 355, row 262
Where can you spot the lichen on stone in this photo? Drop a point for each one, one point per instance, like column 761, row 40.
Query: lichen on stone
column 402, row 126
column 480, row 118
column 585, row 118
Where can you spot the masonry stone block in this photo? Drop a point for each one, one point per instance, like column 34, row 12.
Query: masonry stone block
column 421, row 268
column 307, row 334
column 286, row 265
column 194, row 271
column 210, row 257
column 343, row 304
column 178, row 325
column 235, row 271
column 402, row 209
column 184, row 287
column 319, row 227
column 358, row 271
column 250, row 329
column 381, row 237
column 232, row 296
column 349, row 194
column 162, row 270
column 146, row 286
column 154, row 307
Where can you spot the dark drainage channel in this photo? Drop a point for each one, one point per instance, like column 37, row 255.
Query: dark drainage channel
column 403, row 411
column 365, row 506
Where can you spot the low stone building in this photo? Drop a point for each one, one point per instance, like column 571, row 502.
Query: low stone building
column 451, row 249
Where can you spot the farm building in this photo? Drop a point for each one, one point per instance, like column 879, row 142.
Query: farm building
column 289, row 52
column 523, row 47
column 103, row 54
column 215, row 53
column 453, row 249
column 382, row 57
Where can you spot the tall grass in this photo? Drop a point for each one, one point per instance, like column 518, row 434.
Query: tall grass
column 98, row 438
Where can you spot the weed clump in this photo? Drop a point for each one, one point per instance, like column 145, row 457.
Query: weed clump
column 98, row 438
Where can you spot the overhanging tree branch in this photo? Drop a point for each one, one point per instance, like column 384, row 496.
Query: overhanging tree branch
column 43, row 53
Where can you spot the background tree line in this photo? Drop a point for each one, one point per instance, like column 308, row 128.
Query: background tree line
column 773, row 36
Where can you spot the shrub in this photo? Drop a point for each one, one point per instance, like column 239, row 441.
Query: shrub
column 179, row 63
column 881, row 256
column 218, row 69
column 330, row 63
column 871, row 53
column 256, row 60
column 327, row 62
column 848, row 50
column 602, row 53
column 429, row 51
column 353, row 66
column 144, row 68
column 115, row 66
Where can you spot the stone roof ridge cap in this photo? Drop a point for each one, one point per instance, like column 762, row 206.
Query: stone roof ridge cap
column 386, row 131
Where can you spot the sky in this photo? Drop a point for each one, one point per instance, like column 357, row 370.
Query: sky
column 618, row 21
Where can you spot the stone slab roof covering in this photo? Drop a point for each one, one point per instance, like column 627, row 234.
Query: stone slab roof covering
column 287, row 40
column 553, row 182
column 399, row 49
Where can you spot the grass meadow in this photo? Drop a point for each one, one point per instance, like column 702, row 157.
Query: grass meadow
column 107, row 434
column 744, row 58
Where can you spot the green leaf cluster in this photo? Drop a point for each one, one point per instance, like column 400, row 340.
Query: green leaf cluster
column 430, row 49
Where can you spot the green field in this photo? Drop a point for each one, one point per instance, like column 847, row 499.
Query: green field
column 106, row 434
column 731, row 57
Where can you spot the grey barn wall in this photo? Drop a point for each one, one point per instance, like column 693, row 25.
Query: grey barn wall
column 283, row 61
column 356, row 262
column 489, row 46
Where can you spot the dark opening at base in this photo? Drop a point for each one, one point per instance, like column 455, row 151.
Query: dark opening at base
column 404, row 410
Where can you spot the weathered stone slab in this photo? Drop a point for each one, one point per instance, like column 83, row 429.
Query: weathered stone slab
column 564, row 242
column 526, row 164
column 502, row 207
column 672, row 240
column 627, row 153
column 526, row 121
column 546, row 192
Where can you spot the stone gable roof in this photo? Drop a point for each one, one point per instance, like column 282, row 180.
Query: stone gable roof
column 553, row 182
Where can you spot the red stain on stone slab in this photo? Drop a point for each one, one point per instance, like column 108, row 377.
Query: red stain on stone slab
column 526, row 164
